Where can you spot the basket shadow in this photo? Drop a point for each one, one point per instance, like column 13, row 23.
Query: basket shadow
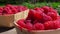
column 3, row 29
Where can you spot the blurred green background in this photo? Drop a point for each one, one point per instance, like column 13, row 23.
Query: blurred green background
column 33, row 3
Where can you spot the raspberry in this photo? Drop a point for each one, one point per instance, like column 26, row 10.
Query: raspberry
column 0, row 13
column 31, row 14
column 14, row 10
column 46, row 18
column 38, row 9
column 1, row 9
column 52, row 25
column 10, row 12
column 29, row 26
column 52, row 15
column 7, row 10
column 38, row 26
column 24, row 8
column 49, row 25
column 38, row 14
column 21, row 23
column 54, row 11
column 35, row 21
column 27, row 21
column 21, row 8
column 35, row 14
column 56, row 24
column 46, row 9
column 41, row 9
column 58, row 18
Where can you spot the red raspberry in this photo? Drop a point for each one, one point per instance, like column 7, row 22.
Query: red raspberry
column 54, row 11
column 31, row 15
column 52, row 25
column 21, row 8
column 10, row 12
column 38, row 14
column 52, row 15
column 24, row 8
column 7, row 10
column 39, row 9
column 35, row 21
column 0, row 13
column 46, row 9
column 38, row 26
column 27, row 21
column 1, row 9
column 4, row 11
column 58, row 18
column 29, row 26
column 14, row 10
column 21, row 23
column 56, row 24
column 35, row 14
column 49, row 25
column 46, row 18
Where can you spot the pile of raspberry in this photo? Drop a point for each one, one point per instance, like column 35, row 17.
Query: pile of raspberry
column 11, row 9
column 41, row 18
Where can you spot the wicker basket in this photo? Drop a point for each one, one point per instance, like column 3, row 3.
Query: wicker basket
column 8, row 20
column 25, row 31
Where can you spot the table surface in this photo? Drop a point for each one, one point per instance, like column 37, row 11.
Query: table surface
column 11, row 31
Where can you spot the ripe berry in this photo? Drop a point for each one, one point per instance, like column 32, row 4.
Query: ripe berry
column 41, row 9
column 21, row 23
column 46, row 17
column 1, row 9
column 38, row 26
column 0, row 13
column 52, row 25
column 21, row 8
column 29, row 26
column 49, row 25
column 52, row 15
column 7, row 10
column 27, row 21
column 38, row 14
column 14, row 10
column 56, row 24
column 31, row 14
column 46, row 9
